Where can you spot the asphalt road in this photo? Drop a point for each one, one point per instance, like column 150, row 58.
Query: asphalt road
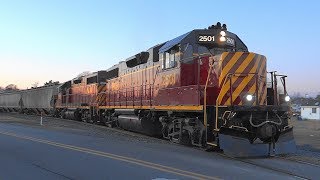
column 40, row 152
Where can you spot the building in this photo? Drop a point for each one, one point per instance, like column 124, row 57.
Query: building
column 296, row 109
column 310, row 112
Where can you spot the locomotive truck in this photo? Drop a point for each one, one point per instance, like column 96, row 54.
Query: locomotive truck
column 203, row 88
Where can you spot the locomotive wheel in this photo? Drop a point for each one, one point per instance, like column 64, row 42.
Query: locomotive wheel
column 173, row 136
column 109, row 123
column 177, row 137
column 185, row 138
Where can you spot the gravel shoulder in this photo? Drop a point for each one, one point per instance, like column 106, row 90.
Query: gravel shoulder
column 307, row 136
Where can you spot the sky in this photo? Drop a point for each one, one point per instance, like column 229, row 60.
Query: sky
column 57, row 40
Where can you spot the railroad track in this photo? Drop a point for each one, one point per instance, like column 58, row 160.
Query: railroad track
column 298, row 161
column 264, row 166
column 268, row 167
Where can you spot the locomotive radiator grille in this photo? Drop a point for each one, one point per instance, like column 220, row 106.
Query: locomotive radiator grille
column 242, row 73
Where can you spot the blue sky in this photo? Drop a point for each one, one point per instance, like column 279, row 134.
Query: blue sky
column 43, row 40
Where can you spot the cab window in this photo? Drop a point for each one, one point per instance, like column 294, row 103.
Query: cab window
column 187, row 53
column 169, row 59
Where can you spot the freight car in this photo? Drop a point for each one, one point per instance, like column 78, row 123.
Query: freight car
column 30, row 101
column 10, row 101
column 203, row 88
column 39, row 100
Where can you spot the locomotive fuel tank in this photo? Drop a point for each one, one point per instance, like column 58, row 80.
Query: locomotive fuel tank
column 73, row 114
column 138, row 121
column 130, row 122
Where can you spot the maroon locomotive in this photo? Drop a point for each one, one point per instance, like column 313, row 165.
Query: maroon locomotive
column 202, row 88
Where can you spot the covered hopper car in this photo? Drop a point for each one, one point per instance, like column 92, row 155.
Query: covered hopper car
column 30, row 101
column 40, row 99
column 10, row 101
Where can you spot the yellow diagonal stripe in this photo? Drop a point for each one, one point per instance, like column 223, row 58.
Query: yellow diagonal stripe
column 240, row 69
column 264, row 96
column 245, row 63
column 252, row 90
column 223, row 91
column 262, row 83
column 244, row 83
column 226, row 69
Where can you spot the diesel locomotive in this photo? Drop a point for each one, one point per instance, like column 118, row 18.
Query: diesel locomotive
column 203, row 88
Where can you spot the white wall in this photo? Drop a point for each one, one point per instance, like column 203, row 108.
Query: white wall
column 306, row 113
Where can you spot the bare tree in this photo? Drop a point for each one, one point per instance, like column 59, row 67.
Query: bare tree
column 35, row 84
column 318, row 98
column 51, row 83
column 11, row 87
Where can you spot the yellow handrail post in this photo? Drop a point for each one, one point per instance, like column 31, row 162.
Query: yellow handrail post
column 205, row 121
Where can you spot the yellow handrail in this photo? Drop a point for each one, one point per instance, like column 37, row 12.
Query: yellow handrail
column 217, row 102
column 205, row 121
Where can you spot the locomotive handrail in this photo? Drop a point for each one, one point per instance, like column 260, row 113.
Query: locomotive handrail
column 205, row 120
column 217, row 102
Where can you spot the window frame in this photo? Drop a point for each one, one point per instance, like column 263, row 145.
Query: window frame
column 169, row 60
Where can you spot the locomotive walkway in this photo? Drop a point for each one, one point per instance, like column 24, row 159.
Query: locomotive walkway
column 30, row 151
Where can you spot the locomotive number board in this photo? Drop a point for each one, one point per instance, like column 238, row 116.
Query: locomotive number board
column 205, row 39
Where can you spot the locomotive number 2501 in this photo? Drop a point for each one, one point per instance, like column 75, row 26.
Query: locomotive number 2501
column 206, row 38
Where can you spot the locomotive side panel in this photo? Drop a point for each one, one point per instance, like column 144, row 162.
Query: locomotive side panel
column 134, row 88
column 167, row 86
column 84, row 94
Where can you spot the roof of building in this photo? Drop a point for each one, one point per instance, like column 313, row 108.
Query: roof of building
column 310, row 106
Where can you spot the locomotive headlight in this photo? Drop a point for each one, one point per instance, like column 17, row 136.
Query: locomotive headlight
column 222, row 39
column 222, row 33
column 249, row 97
column 287, row 98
